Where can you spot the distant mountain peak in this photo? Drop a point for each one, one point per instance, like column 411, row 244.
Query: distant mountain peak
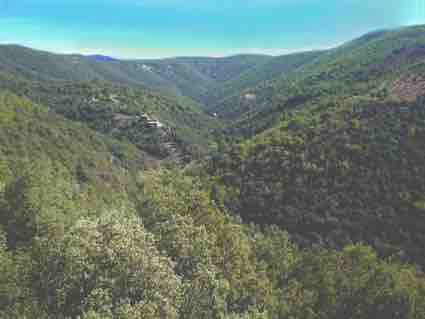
column 101, row 58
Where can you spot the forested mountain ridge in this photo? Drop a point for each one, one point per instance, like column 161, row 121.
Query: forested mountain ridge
column 309, row 206
column 334, row 153
column 124, row 113
column 84, row 234
column 270, row 69
column 351, row 171
column 210, row 72
column 224, row 83
column 377, row 64
column 189, row 77
column 31, row 134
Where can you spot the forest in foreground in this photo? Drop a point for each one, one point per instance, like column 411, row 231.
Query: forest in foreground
column 280, row 187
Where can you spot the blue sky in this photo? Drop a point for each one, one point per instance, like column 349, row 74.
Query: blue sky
column 162, row 28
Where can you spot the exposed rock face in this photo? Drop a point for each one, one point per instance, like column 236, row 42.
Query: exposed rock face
column 409, row 87
column 149, row 134
column 123, row 120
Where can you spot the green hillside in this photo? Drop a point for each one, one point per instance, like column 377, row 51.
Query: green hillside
column 334, row 153
column 268, row 70
column 44, row 66
column 189, row 77
column 31, row 133
column 121, row 198
column 116, row 110
column 346, row 172
column 374, row 65
column 85, row 233
column 226, row 68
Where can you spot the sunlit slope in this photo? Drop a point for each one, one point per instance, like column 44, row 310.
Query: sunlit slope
column 31, row 132
column 378, row 64
column 190, row 77
column 276, row 67
column 123, row 113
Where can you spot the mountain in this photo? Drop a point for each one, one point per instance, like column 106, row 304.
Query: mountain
column 334, row 152
column 30, row 133
column 86, row 233
column 233, row 87
column 124, row 113
column 270, row 69
column 226, row 68
column 196, row 76
column 386, row 64
column 102, row 58
column 350, row 172
column 120, row 197
column 190, row 77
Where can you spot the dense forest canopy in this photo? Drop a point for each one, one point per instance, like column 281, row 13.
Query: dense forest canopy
column 248, row 187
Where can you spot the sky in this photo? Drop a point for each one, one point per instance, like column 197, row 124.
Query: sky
column 165, row 28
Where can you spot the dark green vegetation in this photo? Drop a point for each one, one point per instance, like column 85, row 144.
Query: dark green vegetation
column 341, row 160
column 376, row 65
column 124, row 113
column 30, row 133
column 86, row 236
column 307, row 201
column 337, row 176
column 271, row 68
column 190, row 77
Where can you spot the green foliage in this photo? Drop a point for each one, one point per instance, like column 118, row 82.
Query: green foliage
column 119, row 112
column 38, row 202
column 354, row 176
column 365, row 68
column 356, row 284
column 35, row 133
column 272, row 68
column 109, row 267
column 9, row 289
column 87, row 232
column 182, row 77
column 10, row 105
column 183, row 215
column 191, row 260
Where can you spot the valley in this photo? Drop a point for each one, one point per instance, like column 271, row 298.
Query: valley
column 243, row 187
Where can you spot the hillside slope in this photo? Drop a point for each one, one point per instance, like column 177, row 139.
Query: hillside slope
column 375, row 64
column 274, row 227
column 30, row 132
column 341, row 173
column 116, row 110
column 272, row 68
column 190, row 77
column 85, row 234
column 336, row 150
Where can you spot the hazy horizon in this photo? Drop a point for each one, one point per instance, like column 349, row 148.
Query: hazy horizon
column 141, row 29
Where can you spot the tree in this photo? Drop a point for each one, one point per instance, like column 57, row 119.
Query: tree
column 38, row 201
column 107, row 267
